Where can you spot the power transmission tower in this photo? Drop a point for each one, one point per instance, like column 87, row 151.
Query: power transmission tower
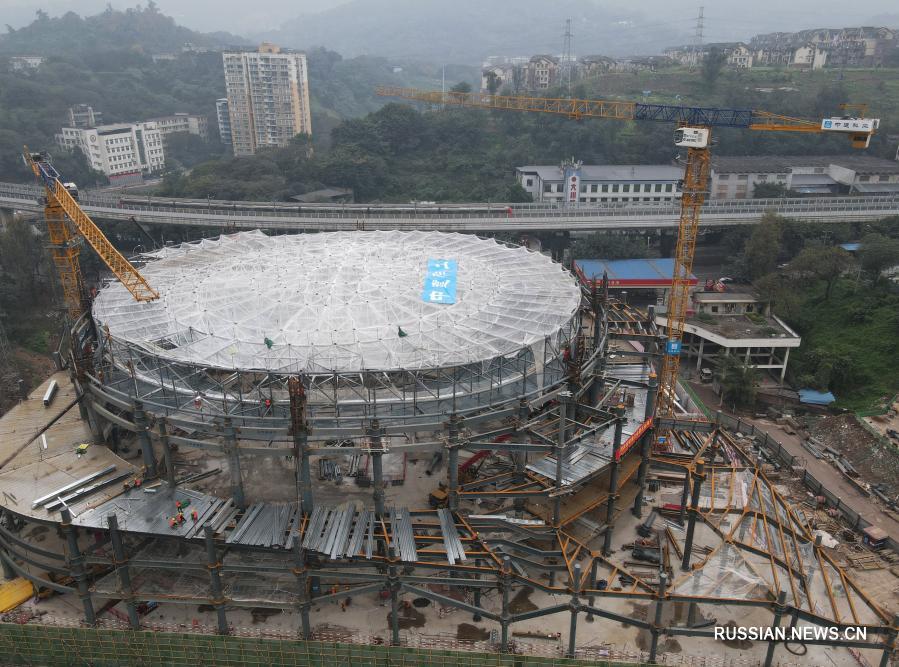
column 697, row 37
column 566, row 55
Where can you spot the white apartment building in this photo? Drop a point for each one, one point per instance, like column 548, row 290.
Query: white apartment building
column 591, row 184
column 268, row 97
column 223, row 116
column 183, row 122
column 124, row 152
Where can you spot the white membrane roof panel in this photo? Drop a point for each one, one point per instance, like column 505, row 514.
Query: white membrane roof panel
column 338, row 301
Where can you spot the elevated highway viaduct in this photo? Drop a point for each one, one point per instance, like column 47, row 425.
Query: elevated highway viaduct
column 451, row 218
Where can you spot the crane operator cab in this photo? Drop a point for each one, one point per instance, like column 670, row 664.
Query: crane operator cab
column 691, row 137
column 72, row 189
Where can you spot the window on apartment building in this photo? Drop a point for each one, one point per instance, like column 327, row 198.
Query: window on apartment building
column 594, row 188
column 605, row 187
column 658, row 187
column 547, row 187
column 530, row 182
column 865, row 178
column 626, row 187
column 742, row 177
column 669, row 187
column 819, row 170
column 714, row 309
column 584, row 188
column 615, row 188
column 723, row 177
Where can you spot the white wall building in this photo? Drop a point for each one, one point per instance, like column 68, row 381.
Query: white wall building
column 268, row 97
column 183, row 122
column 23, row 63
column 600, row 183
column 124, row 152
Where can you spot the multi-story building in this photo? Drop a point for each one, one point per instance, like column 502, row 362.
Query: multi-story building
column 223, row 117
column 573, row 183
column 124, row 152
column 268, row 97
column 84, row 116
column 183, row 122
column 542, row 72
column 24, row 63
column 737, row 177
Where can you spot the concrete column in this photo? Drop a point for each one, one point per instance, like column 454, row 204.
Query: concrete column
column 233, row 452
column 890, row 643
column 215, row 580
column 694, row 511
column 561, row 451
column 783, row 369
column 699, row 354
column 377, row 466
column 167, row 453
column 393, row 584
column 76, row 565
column 613, row 479
column 122, row 569
column 143, row 437
column 574, row 607
column 302, row 575
column 656, row 628
column 779, row 608
column 505, row 615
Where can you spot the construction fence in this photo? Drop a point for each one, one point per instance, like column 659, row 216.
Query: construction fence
column 49, row 646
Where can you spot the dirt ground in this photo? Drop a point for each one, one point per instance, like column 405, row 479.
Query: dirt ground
column 875, row 461
column 33, row 368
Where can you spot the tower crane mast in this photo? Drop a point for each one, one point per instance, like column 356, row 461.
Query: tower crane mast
column 694, row 133
column 67, row 226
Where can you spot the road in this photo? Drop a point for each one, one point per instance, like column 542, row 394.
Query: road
column 448, row 218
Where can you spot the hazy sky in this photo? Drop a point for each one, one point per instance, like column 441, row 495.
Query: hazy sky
column 725, row 19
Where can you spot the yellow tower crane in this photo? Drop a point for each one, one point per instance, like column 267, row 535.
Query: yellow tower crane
column 67, row 225
column 694, row 133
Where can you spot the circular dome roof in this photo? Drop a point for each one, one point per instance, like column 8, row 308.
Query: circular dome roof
column 339, row 301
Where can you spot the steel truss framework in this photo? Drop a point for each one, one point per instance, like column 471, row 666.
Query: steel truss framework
column 740, row 542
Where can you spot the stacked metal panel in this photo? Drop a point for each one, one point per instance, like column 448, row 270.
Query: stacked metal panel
column 340, row 532
column 264, row 525
column 403, row 537
column 454, row 549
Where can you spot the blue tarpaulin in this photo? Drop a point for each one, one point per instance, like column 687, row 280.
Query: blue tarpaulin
column 813, row 397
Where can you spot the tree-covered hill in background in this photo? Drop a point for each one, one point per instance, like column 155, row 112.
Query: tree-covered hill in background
column 140, row 30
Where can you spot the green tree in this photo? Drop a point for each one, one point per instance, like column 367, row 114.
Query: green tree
column 493, row 82
column 739, row 381
column 825, row 263
column 877, row 254
column 712, row 65
column 763, row 247
column 605, row 245
column 461, row 87
column 518, row 195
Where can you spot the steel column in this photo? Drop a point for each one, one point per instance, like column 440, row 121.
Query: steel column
column 613, row 480
column 76, row 565
column 684, row 497
column 302, row 575
column 299, row 429
column 143, row 437
column 890, row 643
column 167, row 453
column 214, row 565
column 561, row 451
column 393, row 584
column 122, row 569
column 477, row 591
column 779, row 608
column 694, row 511
column 505, row 584
column 452, row 467
column 8, row 572
column 591, row 600
column 231, row 447
column 645, row 448
column 575, row 607
column 656, row 628
column 377, row 468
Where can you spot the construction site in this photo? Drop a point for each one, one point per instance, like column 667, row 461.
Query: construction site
column 406, row 448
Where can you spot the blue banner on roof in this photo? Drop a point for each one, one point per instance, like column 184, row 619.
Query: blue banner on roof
column 440, row 281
